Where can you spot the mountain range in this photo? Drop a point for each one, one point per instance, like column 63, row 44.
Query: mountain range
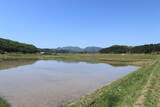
column 74, row 49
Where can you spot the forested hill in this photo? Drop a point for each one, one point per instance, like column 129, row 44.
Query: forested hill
column 13, row 46
column 148, row 49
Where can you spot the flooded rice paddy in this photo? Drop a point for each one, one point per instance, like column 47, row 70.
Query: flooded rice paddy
column 50, row 83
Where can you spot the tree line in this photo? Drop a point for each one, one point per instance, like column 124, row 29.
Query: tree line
column 147, row 49
column 13, row 46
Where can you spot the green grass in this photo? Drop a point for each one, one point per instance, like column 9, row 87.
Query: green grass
column 153, row 94
column 3, row 103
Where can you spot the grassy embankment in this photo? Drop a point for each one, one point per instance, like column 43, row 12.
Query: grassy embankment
column 123, row 92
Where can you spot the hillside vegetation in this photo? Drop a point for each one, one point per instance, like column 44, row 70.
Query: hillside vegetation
column 13, row 46
column 147, row 49
column 115, row 49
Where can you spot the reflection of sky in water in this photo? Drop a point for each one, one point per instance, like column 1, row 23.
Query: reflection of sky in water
column 57, row 78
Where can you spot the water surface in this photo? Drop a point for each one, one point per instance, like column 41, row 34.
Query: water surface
column 49, row 83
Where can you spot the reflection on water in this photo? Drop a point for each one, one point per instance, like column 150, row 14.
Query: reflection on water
column 11, row 63
column 90, row 62
column 49, row 83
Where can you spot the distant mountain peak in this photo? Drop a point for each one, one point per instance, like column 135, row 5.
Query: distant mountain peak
column 89, row 49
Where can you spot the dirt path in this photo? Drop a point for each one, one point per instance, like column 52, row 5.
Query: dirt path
column 141, row 99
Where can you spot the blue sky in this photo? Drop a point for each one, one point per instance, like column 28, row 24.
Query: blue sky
column 57, row 23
